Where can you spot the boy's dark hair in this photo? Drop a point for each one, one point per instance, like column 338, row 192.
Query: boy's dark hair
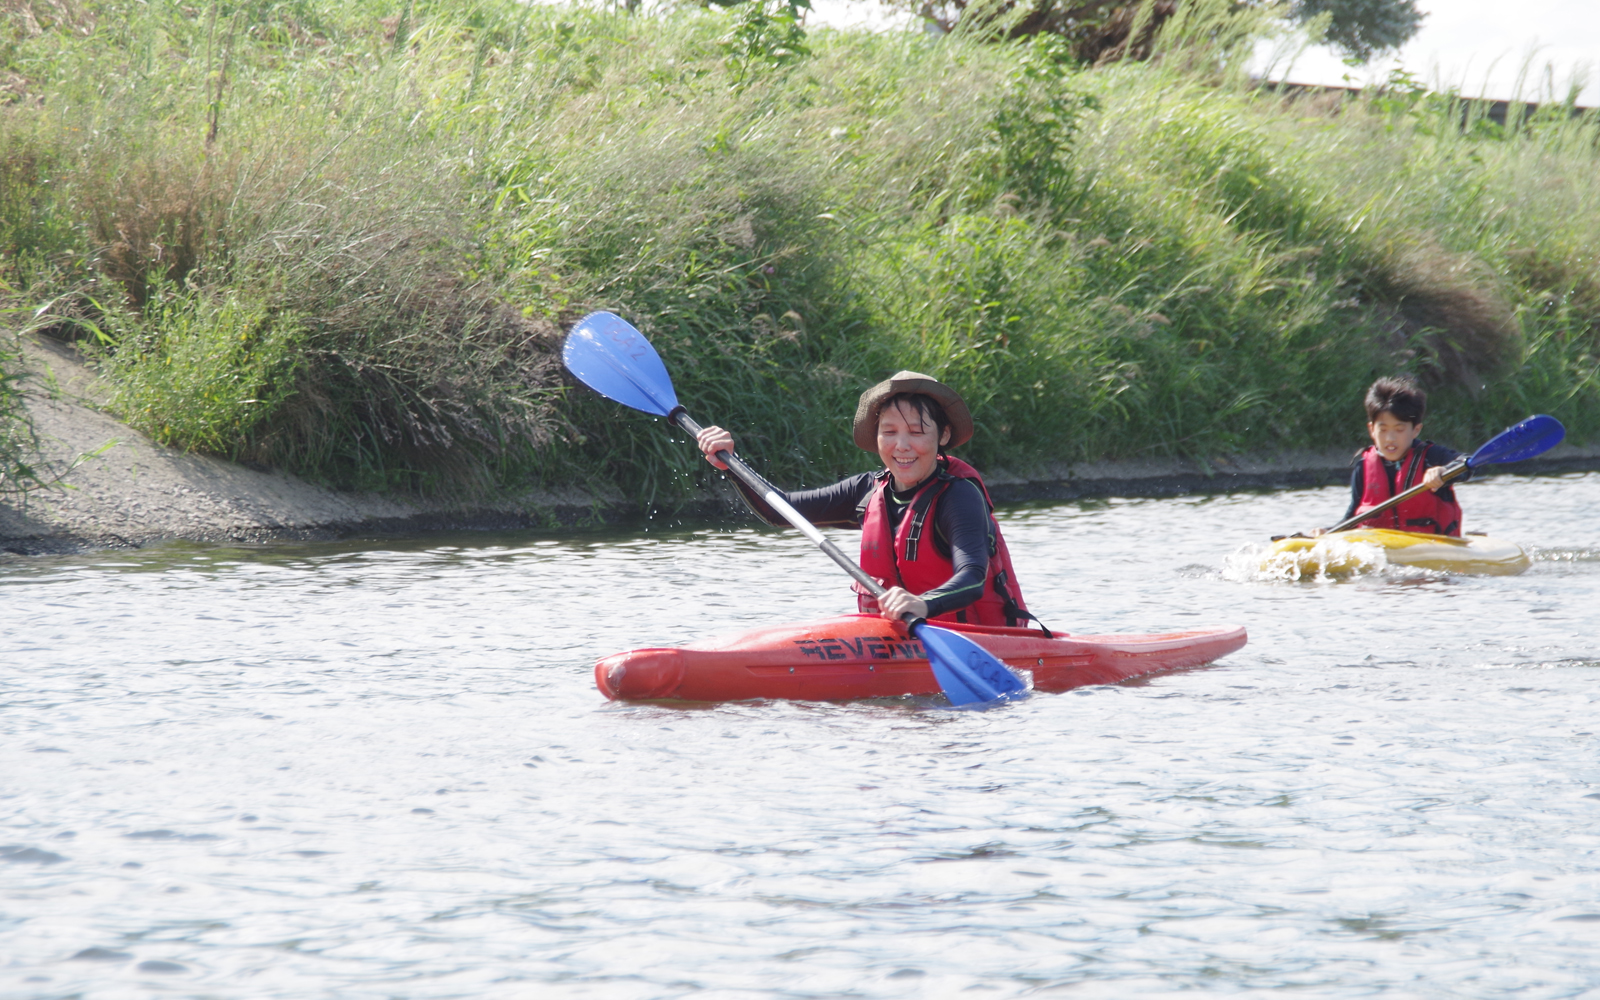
column 1399, row 396
column 924, row 406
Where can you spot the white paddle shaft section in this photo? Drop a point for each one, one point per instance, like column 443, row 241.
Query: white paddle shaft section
column 776, row 501
column 779, row 503
column 806, row 528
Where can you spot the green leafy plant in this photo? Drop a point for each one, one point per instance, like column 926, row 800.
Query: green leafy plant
column 763, row 35
column 202, row 374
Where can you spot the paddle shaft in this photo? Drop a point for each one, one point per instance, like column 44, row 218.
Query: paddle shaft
column 770, row 494
column 1451, row 471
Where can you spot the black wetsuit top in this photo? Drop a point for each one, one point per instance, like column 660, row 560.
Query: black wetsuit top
column 960, row 520
column 1438, row 454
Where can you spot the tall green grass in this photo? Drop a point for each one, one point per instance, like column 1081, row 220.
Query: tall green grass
column 344, row 239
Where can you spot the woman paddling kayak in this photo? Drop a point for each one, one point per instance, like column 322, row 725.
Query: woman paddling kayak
column 965, row 574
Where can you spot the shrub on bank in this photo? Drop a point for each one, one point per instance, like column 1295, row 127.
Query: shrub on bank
column 345, row 240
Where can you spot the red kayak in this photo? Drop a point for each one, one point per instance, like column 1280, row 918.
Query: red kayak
column 864, row 656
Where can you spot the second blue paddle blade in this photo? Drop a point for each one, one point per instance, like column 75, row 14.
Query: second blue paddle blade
column 608, row 355
column 1533, row 436
column 968, row 673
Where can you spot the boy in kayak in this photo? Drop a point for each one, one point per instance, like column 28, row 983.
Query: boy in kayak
column 960, row 570
column 1396, row 461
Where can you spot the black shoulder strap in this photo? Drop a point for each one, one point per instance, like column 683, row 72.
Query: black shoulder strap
column 1416, row 466
column 919, row 512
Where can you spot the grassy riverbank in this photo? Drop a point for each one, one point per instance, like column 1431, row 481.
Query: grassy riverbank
column 345, row 238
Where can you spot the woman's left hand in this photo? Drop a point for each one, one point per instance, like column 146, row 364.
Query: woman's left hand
column 897, row 602
column 712, row 440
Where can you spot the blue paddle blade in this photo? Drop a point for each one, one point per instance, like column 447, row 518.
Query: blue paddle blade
column 1533, row 436
column 968, row 673
column 605, row 353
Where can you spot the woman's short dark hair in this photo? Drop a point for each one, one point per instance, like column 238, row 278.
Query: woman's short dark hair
column 924, row 405
column 1399, row 396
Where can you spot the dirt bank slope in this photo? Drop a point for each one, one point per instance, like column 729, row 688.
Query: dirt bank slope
column 123, row 490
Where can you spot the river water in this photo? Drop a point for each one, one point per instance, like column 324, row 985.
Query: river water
column 382, row 769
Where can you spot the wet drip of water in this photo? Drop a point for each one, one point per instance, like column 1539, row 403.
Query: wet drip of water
column 382, row 769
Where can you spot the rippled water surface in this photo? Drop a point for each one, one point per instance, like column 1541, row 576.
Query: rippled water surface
column 383, row 770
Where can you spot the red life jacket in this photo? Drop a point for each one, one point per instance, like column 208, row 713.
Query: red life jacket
column 1427, row 513
column 904, row 557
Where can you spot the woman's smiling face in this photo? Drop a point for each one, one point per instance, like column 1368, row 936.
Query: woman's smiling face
column 908, row 443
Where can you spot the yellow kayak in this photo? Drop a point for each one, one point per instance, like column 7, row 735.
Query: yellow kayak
column 1367, row 549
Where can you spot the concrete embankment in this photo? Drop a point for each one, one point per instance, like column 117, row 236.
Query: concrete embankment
column 121, row 490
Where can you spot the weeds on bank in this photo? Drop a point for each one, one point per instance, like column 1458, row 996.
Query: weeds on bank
column 201, row 372
column 19, row 447
column 345, row 238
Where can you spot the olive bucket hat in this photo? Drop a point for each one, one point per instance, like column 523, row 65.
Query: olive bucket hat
column 955, row 408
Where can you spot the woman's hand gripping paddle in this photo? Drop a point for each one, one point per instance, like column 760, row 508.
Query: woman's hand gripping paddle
column 609, row 356
column 1533, row 436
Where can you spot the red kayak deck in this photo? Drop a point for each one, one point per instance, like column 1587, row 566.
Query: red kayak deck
column 864, row 656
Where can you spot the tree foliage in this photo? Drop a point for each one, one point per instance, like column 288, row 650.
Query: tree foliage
column 1096, row 30
column 1362, row 28
column 1101, row 31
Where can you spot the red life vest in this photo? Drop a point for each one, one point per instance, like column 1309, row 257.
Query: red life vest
column 1428, row 512
column 903, row 557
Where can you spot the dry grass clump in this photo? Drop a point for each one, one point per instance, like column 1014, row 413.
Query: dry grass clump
column 31, row 18
column 1452, row 310
column 159, row 219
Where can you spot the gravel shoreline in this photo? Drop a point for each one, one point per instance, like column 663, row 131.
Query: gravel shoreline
column 123, row 491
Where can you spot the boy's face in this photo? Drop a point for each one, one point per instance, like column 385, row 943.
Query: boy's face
column 1392, row 436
